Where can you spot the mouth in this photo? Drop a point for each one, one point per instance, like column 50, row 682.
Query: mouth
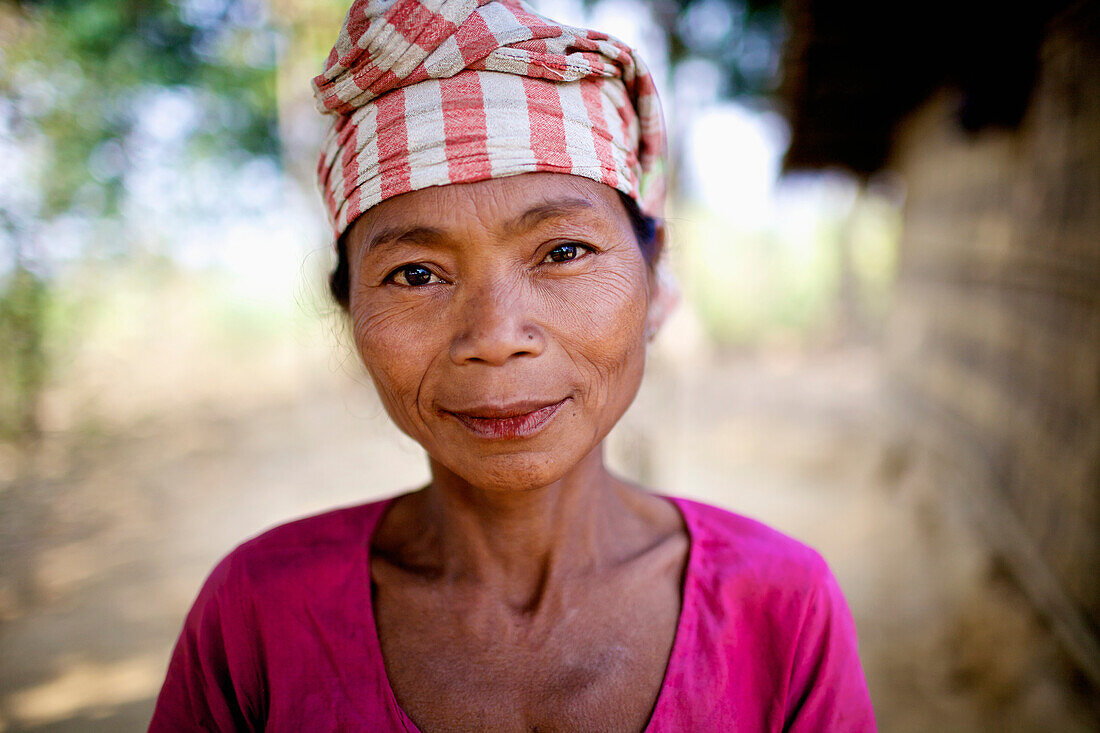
column 507, row 422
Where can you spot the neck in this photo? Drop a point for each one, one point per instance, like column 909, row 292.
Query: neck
column 522, row 542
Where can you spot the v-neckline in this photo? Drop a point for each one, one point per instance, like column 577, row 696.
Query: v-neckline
column 675, row 658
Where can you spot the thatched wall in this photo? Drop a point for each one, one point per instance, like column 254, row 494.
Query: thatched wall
column 995, row 337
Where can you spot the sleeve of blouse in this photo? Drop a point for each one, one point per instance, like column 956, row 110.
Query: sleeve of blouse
column 212, row 679
column 828, row 690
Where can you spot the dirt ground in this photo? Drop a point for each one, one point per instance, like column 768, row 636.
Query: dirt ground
column 105, row 538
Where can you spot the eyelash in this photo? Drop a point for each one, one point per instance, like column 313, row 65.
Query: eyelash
column 580, row 250
column 392, row 277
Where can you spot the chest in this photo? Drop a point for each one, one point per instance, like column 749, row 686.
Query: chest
column 595, row 663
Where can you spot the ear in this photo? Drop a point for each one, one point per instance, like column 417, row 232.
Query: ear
column 664, row 291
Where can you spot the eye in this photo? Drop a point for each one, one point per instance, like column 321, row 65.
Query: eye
column 413, row 275
column 566, row 252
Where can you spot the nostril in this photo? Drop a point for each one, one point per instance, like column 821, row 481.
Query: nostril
column 496, row 330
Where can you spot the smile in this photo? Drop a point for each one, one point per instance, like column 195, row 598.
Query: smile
column 520, row 420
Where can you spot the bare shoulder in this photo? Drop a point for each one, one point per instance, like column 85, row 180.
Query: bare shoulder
column 404, row 541
column 656, row 525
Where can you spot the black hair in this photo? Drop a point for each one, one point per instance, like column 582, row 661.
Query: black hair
column 645, row 231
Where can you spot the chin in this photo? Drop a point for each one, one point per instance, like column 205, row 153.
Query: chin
column 512, row 473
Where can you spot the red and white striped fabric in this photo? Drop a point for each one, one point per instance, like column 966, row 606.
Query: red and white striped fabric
column 430, row 92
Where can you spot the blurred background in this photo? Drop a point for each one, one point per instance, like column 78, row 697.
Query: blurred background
column 885, row 223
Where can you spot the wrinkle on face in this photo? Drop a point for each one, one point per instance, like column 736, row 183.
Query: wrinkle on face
column 575, row 327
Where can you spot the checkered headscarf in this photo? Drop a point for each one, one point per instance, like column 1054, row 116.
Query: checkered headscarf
column 430, row 92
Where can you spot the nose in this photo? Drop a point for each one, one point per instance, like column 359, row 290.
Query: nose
column 495, row 324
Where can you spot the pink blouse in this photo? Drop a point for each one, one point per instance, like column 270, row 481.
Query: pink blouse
column 282, row 637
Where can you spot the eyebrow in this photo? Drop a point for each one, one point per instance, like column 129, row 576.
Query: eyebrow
column 414, row 235
column 549, row 210
column 524, row 222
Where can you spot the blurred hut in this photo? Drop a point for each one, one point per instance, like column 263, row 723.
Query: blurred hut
column 990, row 119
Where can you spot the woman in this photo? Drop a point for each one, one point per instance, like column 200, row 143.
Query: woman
column 497, row 262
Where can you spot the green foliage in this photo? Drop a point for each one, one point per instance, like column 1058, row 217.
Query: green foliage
column 749, row 287
column 76, row 77
column 78, row 71
column 740, row 37
column 23, row 306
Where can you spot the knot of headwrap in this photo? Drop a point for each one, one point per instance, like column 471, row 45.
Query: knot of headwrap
column 431, row 92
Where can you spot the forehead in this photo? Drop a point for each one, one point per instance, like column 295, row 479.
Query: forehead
column 492, row 204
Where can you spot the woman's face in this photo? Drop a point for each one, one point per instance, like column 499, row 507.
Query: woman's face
column 503, row 322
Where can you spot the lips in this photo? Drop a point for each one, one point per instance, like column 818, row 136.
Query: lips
column 507, row 422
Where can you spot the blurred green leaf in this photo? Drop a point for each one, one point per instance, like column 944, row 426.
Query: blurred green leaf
column 76, row 77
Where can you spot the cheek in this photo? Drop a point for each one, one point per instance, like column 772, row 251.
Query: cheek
column 605, row 314
column 396, row 342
